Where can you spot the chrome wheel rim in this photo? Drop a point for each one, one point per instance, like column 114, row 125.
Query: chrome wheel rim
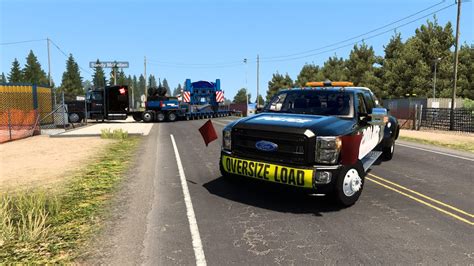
column 352, row 182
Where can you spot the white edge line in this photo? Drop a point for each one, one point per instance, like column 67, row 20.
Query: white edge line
column 438, row 152
column 193, row 226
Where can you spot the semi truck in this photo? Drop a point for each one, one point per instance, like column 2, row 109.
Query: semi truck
column 201, row 99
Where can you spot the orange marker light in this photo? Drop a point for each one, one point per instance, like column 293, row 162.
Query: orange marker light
column 332, row 84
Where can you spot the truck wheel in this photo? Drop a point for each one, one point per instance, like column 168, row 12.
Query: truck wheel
column 147, row 116
column 160, row 117
column 172, row 117
column 137, row 117
column 388, row 150
column 349, row 184
column 74, row 118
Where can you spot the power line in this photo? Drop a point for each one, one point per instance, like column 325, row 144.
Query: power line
column 296, row 56
column 64, row 53
column 197, row 66
column 353, row 43
column 358, row 36
column 9, row 43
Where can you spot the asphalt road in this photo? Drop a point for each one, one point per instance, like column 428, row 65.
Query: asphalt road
column 416, row 208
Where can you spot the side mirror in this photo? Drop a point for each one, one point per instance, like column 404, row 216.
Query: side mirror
column 379, row 116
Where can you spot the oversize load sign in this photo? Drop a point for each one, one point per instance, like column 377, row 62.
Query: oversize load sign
column 109, row 64
column 269, row 172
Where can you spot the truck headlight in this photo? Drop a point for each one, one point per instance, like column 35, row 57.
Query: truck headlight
column 327, row 149
column 227, row 140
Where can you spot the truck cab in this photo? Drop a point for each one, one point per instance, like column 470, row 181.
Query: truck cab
column 322, row 138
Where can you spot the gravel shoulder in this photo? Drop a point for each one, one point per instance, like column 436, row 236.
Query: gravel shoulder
column 456, row 140
column 42, row 161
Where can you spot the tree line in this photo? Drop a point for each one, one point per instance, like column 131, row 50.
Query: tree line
column 406, row 68
column 73, row 84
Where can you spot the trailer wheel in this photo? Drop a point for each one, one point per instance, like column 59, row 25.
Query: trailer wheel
column 172, row 117
column 137, row 117
column 148, row 116
column 160, row 117
column 74, row 118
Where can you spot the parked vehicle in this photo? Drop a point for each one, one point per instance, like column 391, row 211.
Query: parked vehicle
column 109, row 103
column 201, row 99
column 323, row 138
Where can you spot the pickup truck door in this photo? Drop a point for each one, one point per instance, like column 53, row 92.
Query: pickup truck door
column 371, row 134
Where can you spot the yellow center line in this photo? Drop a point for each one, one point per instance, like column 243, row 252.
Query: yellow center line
column 422, row 202
column 423, row 196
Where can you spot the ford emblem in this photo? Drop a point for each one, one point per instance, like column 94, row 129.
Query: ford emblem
column 264, row 145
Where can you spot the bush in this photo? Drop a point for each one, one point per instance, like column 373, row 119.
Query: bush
column 106, row 133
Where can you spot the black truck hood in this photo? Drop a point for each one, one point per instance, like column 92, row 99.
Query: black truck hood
column 298, row 123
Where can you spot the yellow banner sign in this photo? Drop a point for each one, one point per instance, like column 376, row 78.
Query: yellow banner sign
column 269, row 172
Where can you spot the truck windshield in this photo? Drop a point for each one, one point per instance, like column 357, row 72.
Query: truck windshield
column 315, row 102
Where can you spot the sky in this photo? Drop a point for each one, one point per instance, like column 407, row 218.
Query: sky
column 209, row 39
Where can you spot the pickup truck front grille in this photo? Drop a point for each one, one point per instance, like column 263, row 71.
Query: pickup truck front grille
column 292, row 148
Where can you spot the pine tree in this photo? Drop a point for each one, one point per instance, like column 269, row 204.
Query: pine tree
column 152, row 81
column 166, row 86
column 71, row 83
column 465, row 81
column 98, row 78
column 32, row 71
column 136, row 90
column 361, row 70
column 177, row 90
column 392, row 67
column 121, row 78
column 334, row 69
column 3, row 79
column 261, row 100
column 240, row 96
column 278, row 83
column 308, row 73
column 141, row 85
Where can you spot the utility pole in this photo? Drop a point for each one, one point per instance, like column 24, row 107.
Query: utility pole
column 115, row 73
column 246, row 90
column 145, row 92
column 49, row 71
column 258, row 79
column 49, row 63
column 456, row 57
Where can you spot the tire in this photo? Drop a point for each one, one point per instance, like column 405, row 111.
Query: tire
column 148, row 116
column 349, row 184
column 74, row 118
column 172, row 117
column 388, row 150
column 160, row 117
column 137, row 117
column 224, row 174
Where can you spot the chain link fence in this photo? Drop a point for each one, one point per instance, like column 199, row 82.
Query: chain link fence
column 439, row 118
column 29, row 109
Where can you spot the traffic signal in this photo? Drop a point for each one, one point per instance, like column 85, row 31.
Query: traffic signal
column 122, row 90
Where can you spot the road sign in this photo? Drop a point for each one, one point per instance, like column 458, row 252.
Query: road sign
column 109, row 64
column 80, row 98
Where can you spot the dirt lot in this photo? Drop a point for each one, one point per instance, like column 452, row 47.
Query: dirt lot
column 44, row 161
column 445, row 137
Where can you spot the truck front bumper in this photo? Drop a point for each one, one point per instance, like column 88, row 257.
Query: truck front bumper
column 319, row 178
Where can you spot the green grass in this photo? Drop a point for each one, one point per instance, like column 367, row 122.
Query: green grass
column 47, row 227
column 461, row 147
column 106, row 133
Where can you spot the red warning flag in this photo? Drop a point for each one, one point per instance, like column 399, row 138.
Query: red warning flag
column 208, row 132
column 350, row 149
